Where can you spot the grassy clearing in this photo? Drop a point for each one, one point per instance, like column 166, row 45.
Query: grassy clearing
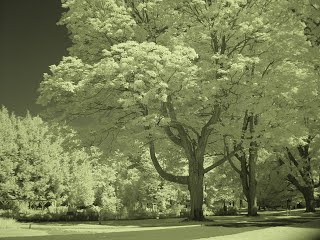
column 273, row 223
column 185, row 233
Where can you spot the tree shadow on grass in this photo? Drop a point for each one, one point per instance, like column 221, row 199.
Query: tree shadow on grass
column 188, row 233
column 307, row 222
column 124, row 222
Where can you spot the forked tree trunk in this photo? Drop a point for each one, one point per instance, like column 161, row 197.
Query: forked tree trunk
column 307, row 185
column 194, row 149
column 248, row 163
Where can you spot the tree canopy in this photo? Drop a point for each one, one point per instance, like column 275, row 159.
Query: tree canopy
column 178, row 73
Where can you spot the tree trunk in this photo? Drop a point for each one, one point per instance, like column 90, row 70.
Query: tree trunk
column 252, row 199
column 252, row 203
column 250, row 193
column 195, row 186
column 305, row 171
column 308, row 194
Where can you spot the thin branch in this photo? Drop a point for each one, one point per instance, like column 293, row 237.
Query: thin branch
column 269, row 65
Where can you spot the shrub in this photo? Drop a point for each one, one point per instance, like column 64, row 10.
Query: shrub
column 174, row 211
column 19, row 208
column 141, row 213
column 58, row 210
column 8, row 223
column 230, row 211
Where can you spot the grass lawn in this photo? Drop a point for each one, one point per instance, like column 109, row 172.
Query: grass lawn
column 266, row 224
column 184, row 233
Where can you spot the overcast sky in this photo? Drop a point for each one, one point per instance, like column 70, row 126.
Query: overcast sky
column 30, row 41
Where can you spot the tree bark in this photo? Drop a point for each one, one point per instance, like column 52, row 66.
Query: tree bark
column 196, row 196
column 249, row 185
column 307, row 185
column 252, row 200
column 248, row 163
column 308, row 194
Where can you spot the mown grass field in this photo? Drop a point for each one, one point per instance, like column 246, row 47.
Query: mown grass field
column 177, row 229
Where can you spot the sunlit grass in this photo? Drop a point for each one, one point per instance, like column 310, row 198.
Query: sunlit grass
column 276, row 225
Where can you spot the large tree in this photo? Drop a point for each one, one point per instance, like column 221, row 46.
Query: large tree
column 167, row 72
column 303, row 170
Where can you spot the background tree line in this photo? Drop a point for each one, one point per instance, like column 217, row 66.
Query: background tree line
column 46, row 163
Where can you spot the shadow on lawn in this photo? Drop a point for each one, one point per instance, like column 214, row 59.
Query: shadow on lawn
column 304, row 222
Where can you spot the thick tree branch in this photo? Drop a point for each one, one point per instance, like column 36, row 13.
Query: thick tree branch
column 294, row 181
column 186, row 126
column 223, row 45
column 186, row 141
column 230, row 160
column 292, row 158
column 167, row 176
column 173, row 117
column 175, row 139
column 214, row 118
column 222, row 160
column 206, row 130
column 302, row 152
column 305, row 170
column 234, row 166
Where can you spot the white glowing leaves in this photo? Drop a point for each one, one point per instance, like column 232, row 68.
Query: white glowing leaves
column 111, row 18
column 149, row 5
column 149, row 72
column 255, row 25
column 241, row 63
column 95, row 25
column 65, row 78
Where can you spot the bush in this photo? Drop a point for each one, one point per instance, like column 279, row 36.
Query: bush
column 172, row 212
column 58, row 215
column 19, row 208
column 229, row 211
column 6, row 213
column 6, row 223
column 33, row 215
column 58, row 210
column 142, row 214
